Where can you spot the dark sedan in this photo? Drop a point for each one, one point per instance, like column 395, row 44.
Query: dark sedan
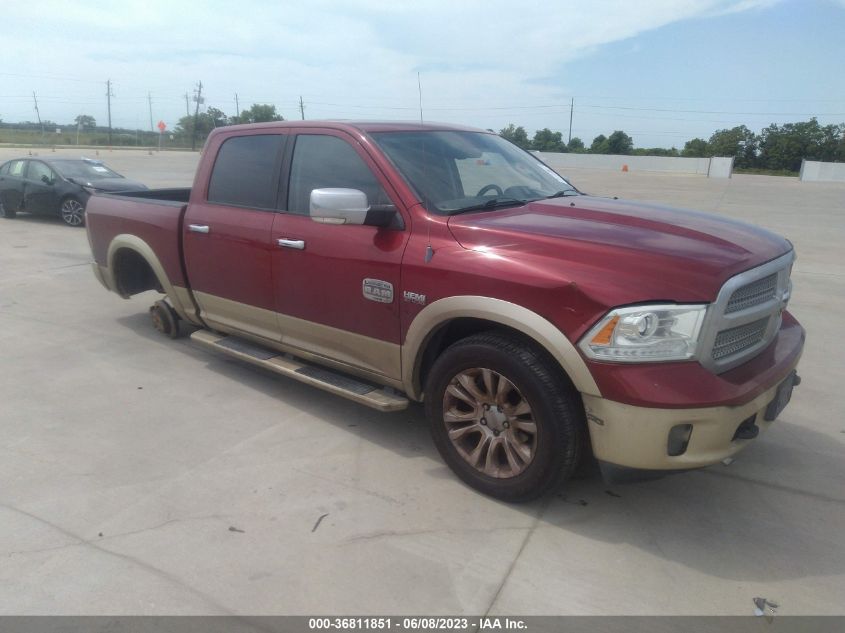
column 56, row 186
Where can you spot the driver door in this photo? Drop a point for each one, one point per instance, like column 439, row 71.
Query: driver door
column 39, row 193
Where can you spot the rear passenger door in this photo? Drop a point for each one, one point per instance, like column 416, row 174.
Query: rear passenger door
column 227, row 234
column 11, row 184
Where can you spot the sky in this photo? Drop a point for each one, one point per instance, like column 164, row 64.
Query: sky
column 664, row 71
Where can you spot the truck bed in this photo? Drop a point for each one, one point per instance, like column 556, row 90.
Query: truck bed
column 153, row 217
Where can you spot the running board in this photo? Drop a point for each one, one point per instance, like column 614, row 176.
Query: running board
column 325, row 379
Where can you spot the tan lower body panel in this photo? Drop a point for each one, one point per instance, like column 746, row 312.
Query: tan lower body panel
column 637, row 437
column 346, row 351
column 291, row 368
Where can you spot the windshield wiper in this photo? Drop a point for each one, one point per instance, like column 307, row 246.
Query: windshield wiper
column 563, row 193
column 493, row 203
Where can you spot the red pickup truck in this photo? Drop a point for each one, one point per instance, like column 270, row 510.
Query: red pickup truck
column 389, row 262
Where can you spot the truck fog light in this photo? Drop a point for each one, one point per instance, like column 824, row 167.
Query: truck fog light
column 679, row 439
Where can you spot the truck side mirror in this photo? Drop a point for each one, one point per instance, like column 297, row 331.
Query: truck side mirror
column 46, row 179
column 347, row 206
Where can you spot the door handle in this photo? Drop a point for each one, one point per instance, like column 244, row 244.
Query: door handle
column 286, row 243
column 198, row 228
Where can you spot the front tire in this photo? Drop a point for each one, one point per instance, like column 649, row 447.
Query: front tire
column 72, row 211
column 503, row 418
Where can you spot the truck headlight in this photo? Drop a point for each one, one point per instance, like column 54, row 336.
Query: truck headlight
column 639, row 334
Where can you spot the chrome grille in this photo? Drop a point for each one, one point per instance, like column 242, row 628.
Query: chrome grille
column 739, row 339
column 753, row 294
column 746, row 315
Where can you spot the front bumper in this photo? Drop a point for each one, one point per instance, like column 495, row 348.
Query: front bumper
column 636, row 435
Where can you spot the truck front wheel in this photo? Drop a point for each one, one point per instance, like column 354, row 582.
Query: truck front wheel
column 502, row 418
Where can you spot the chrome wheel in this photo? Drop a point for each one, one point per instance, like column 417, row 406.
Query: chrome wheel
column 72, row 211
column 490, row 423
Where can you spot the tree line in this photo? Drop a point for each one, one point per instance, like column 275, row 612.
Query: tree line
column 776, row 147
column 182, row 132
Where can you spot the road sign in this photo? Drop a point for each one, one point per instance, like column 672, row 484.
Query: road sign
column 161, row 126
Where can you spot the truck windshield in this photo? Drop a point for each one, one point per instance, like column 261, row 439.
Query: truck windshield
column 456, row 172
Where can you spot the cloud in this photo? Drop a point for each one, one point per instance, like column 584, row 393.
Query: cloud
column 362, row 55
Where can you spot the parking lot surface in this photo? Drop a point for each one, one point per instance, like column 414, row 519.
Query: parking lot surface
column 140, row 475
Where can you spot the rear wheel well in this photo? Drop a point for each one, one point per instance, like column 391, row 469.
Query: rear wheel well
column 133, row 273
column 452, row 331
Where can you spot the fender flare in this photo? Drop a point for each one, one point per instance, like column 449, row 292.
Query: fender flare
column 179, row 297
column 519, row 318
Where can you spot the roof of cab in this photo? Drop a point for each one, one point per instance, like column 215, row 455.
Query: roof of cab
column 360, row 126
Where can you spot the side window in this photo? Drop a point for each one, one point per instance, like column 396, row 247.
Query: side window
column 37, row 170
column 327, row 161
column 16, row 168
column 4, row 169
column 245, row 172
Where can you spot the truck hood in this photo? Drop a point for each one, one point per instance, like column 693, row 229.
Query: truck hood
column 620, row 250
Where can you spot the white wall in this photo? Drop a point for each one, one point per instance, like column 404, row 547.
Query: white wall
column 817, row 171
column 721, row 167
column 635, row 163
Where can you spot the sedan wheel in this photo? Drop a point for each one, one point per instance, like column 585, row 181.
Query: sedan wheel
column 72, row 212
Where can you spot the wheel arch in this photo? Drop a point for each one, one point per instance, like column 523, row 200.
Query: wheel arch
column 446, row 320
column 134, row 267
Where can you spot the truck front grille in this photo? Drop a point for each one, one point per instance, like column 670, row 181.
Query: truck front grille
column 739, row 339
column 746, row 315
column 753, row 294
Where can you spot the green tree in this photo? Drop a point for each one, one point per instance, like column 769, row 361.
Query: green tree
column 696, row 148
column 738, row 141
column 599, row 145
column 259, row 113
column 217, row 117
column 784, row 146
column 619, row 143
column 85, row 121
column 516, row 135
column 575, row 145
column 547, row 141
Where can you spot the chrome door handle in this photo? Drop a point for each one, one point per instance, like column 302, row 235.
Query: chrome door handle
column 286, row 243
column 198, row 228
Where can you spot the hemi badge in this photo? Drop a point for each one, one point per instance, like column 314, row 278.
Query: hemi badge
column 378, row 290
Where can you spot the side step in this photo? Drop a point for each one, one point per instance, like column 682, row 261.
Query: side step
column 326, row 379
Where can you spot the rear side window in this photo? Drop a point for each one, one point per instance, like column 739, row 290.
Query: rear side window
column 246, row 172
column 16, row 168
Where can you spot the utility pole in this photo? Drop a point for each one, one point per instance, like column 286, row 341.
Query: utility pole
column 237, row 107
column 198, row 98
column 38, row 114
column 150, row 100
column 301, row 107
column 109, row 95
column 571, row 107
column 187, row 106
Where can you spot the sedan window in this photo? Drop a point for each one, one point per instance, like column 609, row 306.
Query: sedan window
column 16, row 168
column 38, row 170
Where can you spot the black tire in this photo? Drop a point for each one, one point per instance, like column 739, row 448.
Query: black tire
column 72, row 211
column 6, row 212
column 554, row 408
